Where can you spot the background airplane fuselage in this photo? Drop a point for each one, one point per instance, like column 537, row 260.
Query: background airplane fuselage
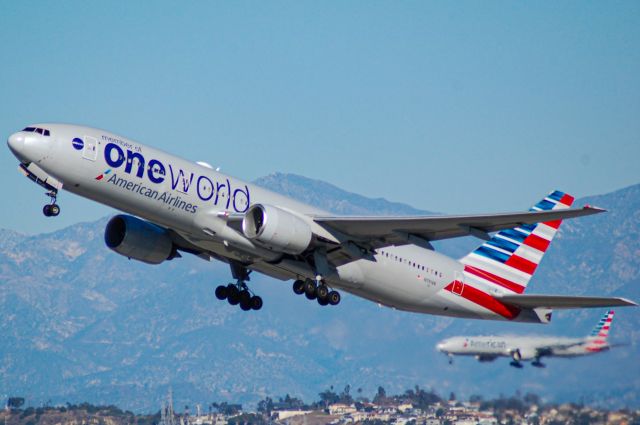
column 487, row 346
column 186, row 197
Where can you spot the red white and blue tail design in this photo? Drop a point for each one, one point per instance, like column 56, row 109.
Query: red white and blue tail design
column 506, row 262
column 597, row 341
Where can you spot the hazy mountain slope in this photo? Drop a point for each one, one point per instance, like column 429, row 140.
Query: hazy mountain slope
column 79, row 322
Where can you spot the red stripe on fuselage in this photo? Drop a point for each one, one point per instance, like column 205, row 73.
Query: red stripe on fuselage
column 521, row 264
column 485, row 300
column 505, row 283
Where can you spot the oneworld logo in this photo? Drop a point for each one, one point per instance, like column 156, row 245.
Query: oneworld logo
column 206, row 188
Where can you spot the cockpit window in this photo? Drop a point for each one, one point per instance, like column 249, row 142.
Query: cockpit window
column 42, row 131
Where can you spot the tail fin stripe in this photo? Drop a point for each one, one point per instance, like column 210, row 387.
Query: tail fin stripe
column 515, row 235
column 488, row 265
column 530, row 254
column 536, row 242
column 505, row 283
column 556, row 195
column 555, row 223
column 493, row 254
column 545, row 205
column 521, row 264
column 527, row 227
column 504, row 244
column 567, row 199
column 544, row 231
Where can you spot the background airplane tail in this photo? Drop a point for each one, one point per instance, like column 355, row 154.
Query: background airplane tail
column 510, row 257
column 598, row 338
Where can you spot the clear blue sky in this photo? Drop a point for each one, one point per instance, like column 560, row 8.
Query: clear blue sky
column 447, row 106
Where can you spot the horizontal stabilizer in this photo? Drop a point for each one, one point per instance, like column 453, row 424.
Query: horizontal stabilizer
column 563, row 302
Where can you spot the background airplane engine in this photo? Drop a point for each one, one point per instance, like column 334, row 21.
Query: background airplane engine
column 523, row 354
column 138, row 239
column 276, row 229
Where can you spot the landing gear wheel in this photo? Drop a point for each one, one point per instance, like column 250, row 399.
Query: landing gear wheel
column 256, row 302
column 245, row 297
column 221, row 292
column 54, row 210
column 233, row 295
column 298, row 287
column 323, row 301
column 334, row 298
column 310, row 289
column 322, row 291
column 245, row 305
column 46, row 210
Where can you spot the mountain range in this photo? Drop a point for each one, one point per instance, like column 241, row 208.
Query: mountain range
column 81, row 323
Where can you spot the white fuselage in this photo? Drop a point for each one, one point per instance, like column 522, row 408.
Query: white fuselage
column 487, row 347
column 186, row 197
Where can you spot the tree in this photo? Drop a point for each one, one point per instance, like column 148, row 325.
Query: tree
column 345, row 397
column 328, row 397
column 15, row 402
column 266, row 406
column 381, row 396
column 475, row 398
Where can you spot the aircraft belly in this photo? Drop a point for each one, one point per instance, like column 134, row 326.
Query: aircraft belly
column 381, row 282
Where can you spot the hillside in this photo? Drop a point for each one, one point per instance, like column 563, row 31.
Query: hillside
column 80, row 323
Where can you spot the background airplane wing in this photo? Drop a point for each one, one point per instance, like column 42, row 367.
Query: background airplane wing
column 563, row 302
column 377, row 232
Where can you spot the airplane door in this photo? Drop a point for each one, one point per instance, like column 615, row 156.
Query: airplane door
column 458, row 283
column 90, row 151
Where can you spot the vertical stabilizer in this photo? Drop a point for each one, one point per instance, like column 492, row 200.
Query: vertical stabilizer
column 507, row 261
column 597, row 341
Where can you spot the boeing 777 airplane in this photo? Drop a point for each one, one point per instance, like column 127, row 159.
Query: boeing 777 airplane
column 519, row 348
column 174, row 206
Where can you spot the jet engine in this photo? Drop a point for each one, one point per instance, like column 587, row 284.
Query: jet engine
column 276, row 229
column 138, row 239
column 523, row 354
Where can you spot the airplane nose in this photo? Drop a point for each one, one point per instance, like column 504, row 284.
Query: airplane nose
column 16, row 143
column 440, row 347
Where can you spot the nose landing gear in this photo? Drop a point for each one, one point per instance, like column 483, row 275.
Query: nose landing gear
column 51, row 209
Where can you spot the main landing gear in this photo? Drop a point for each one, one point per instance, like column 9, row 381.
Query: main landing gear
column 238, row 293
column 314, row 291
column 51, row 209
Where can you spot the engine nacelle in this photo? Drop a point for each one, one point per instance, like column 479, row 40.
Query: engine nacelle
column 523, row 354
column 276, row 229
column 138, row 239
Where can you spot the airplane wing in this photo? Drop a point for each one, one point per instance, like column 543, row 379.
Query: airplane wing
column 378, row 232
column 562, row 301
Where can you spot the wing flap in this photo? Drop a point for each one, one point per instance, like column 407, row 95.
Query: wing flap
column 531, row 301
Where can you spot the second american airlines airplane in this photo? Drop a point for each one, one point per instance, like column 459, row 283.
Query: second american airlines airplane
column 521, row 348
column 175, row 206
